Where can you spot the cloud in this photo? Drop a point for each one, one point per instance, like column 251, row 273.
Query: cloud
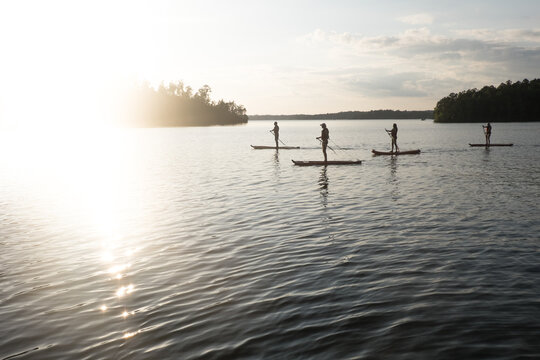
column 421, row 46
column 416, row 66
column 450, row 56
column 417, row 19
column 404, row 84
column 506, row 36
column 319, row 36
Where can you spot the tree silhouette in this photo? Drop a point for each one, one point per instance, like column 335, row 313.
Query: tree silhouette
column 508, row 102
column 176, row 105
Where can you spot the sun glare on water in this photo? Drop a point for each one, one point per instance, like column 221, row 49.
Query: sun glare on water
column 66, row 71
column 80, row 178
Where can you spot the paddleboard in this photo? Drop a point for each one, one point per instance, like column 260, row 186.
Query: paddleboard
column 330, row 162
column 260, row 147
column 484, row 145
column 407, row 152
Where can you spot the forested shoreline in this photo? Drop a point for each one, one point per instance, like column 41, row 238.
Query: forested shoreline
column 509, row 102
column 177, row 105
column 352, row 115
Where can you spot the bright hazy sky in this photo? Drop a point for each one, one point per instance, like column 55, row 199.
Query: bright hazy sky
column 273, row 57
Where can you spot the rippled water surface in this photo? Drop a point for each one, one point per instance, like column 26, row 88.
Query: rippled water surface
column 184, row 243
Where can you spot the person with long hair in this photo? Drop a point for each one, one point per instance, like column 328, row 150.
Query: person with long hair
column 393, row 135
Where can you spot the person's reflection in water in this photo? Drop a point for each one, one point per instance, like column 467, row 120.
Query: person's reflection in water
column 323, row 186
column 393, row 180
column 275, row 160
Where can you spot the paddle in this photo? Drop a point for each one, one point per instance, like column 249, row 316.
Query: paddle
column 339, row 147
column 328, row 146
column 272, row 131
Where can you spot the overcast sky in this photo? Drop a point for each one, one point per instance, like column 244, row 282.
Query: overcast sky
column 274, row 57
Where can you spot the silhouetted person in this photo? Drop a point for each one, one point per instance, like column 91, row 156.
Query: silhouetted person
column 393, row 135
column 275, row 130
column 325, row 135
column 487, row 131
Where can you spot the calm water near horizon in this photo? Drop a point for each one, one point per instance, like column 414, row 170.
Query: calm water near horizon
column 184, row 243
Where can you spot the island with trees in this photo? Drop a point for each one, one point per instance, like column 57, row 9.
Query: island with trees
column 508, row 102
column 177, row 105
column 353, row 115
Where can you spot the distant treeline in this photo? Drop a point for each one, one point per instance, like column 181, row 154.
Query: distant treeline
column 519, row 101
column 177, row 105
column 352, row 115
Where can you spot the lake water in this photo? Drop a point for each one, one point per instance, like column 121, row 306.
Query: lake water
column 183, row 243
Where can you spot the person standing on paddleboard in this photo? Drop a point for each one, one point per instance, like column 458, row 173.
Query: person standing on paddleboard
column 325, row 135
column 393, row 135
column 275, row 130
column 487, row 130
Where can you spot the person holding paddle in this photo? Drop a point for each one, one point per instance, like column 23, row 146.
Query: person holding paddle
column 393, row 135
column 487, row 131
column 275, row 131
column 325, row 135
